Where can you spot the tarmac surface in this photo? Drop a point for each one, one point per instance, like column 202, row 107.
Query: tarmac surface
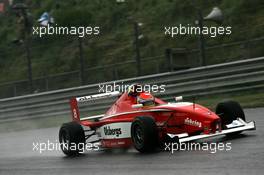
column 18, row 156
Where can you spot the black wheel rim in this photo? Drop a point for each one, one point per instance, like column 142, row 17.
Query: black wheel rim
column 138, row 135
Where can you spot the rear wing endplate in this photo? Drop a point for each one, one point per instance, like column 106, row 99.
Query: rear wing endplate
column 75, row 109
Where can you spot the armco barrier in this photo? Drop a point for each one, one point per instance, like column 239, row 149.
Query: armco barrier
column 214, row 79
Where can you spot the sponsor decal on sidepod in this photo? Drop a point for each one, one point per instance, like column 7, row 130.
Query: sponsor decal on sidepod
column 191, row 122
column 112, row 131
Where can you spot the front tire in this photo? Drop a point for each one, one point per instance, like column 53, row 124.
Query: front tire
column 144, row 134
column 72, row 139
column 228, row 112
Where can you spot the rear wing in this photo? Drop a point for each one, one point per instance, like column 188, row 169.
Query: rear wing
column 75, row 101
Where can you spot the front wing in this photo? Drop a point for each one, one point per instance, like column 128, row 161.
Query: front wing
column 236, row 126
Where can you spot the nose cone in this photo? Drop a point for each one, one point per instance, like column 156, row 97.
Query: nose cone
column 204, row 113
column 193, row 110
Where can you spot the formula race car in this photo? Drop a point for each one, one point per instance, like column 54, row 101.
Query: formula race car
column 138, row 119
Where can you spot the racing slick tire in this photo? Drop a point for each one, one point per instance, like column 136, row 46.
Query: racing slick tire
column 72, row 138
column 144, row 134
column 228, row 112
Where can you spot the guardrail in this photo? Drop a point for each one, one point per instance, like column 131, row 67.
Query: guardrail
column 214, row 79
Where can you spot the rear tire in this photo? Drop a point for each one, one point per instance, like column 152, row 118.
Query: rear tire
column 72, row 139
column 144, row 134
column 228, row 112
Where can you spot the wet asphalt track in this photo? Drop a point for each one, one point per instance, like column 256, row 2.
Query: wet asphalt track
column 246, row 156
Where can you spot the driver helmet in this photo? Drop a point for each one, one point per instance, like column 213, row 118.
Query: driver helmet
column 146, row 99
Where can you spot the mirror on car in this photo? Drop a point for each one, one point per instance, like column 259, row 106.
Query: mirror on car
column 179, row 98
column 137, row 105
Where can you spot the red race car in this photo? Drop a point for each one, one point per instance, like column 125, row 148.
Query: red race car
column 138, row 119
